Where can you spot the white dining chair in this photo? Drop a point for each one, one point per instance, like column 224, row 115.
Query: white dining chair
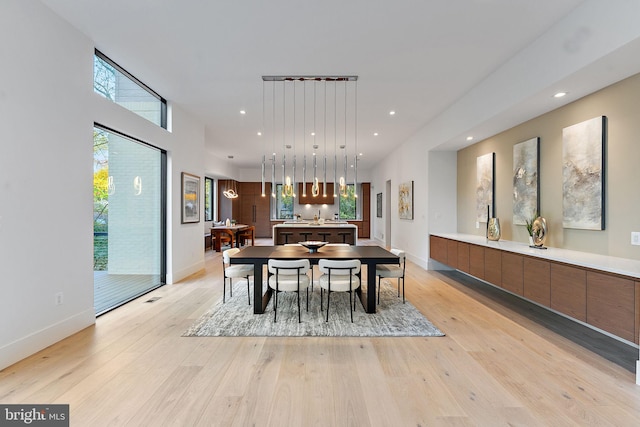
column 339, row 276
column 234, row 271
column 288, row 276
column 391, row 271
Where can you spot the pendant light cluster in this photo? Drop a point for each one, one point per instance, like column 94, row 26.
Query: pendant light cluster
column 290, row 105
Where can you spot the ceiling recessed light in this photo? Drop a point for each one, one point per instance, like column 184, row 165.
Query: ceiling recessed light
column 360, row 154
column 559, row 94
column 375, row 134
column 243, row 112
column 259, row 133
column 392, row 113
column 313, row 134
column 469, row 138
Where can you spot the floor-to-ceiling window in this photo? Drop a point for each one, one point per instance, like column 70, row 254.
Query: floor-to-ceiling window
column 129, row 218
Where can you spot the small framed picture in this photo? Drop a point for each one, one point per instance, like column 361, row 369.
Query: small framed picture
column 379, row 205
column 190, row 198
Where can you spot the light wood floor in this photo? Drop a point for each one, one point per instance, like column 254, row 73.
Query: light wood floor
column 494, row 367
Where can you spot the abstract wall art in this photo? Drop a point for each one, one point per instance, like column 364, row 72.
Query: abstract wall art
column 484, row 186
column 583, row 172
column 526, row 180
column 405, row 200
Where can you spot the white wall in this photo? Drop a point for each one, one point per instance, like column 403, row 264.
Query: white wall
column 48, row 109
column 405, row 163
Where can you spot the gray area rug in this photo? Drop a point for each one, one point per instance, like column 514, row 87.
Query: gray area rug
column 235, row 318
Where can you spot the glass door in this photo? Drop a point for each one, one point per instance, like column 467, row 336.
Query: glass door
column 129, row 193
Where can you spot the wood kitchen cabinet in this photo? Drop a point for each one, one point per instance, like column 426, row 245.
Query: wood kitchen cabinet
column 253, row 208
column 319, row 199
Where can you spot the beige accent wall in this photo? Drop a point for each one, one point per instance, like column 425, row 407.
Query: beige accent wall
column 620, row 103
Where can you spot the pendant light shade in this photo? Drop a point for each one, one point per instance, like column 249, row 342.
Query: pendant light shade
column 289, row 180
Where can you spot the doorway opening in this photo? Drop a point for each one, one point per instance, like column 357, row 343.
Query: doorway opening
column 129, row 218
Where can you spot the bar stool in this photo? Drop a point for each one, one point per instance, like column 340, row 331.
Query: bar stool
column 324, row 235
column 286, row 235
column 344, row 235
column 305, row 235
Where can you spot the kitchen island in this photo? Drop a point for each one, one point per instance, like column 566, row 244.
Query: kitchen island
column 330, row 231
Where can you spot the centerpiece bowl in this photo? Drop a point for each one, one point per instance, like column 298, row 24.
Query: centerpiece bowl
column 313, row 245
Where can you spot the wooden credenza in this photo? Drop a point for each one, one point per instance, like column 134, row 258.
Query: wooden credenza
column 605, row 296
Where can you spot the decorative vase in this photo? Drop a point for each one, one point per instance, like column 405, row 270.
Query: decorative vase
column 530, row 240
column 539, row 230
column 493, row 229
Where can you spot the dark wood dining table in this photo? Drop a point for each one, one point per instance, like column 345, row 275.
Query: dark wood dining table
column 370, row 256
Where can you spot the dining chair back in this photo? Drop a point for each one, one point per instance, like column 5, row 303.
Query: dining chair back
column 246, row 234
column 234, row 271
column 288, row 276
column 391, row 271
column 339, row 276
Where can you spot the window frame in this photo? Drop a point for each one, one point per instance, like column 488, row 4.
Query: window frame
column 163, row 101
column 209, row 195
column 279, row 200
column 356, row 207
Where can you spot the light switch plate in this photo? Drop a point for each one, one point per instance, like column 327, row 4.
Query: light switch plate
column 635, row 238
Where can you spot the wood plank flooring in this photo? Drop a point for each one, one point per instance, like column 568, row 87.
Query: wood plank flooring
column 496, row 366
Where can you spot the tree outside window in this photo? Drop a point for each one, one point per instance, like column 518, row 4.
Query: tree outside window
column 348, row 203
column 284, row 204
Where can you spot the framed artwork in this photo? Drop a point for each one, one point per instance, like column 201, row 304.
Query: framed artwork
column 190, row 198
column 484, row 187
column 379, row 205
column 583, row 157
column 526, row 181
column 405, row 200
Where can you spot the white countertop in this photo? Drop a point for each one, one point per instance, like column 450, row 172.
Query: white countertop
column 623, row 266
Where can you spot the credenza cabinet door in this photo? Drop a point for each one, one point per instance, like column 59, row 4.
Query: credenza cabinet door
column 438, row 249
column 452, row 253
column 512, row 272
column 493, row 266
column 610, row 304
column 569, row 291
column 463, row 257
column 537, row 281
column 476, row 261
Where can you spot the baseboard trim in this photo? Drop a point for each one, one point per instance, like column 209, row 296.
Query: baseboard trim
column 39, row 340
column 177, row 276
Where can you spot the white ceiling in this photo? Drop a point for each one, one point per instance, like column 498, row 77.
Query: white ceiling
column 437, row 63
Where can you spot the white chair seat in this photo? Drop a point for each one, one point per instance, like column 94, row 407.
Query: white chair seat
column 288, row 283
column 390, row 271
column 339, row 283
column 239, row 270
